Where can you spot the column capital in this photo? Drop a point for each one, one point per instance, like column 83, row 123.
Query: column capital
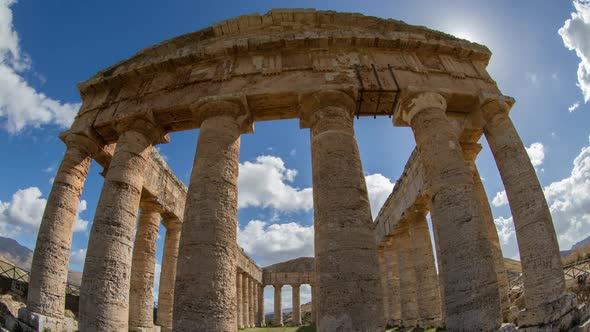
column 144, row 124
column 232, row 107
column 89, row 141
column 312, row 103
column 493, row 104
column 414, row 102
column 470, row 151
column 149, row 205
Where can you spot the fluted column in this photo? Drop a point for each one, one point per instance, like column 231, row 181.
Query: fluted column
column 277, row 319
column 470, row 152
column 346, row 262
column 296, row 297
column 314, row 301
column 252, row 301
column 428, row 294
column 467, row 260
column 141, row 298
column 407, row 274
column 49, row 270
column 168, row 274
column 385, row 290
column 544, row 281
column 239, row 303
column 261, row 318
column 393, row 282
column 208, row 248
column 245, row 301
column 104, row 294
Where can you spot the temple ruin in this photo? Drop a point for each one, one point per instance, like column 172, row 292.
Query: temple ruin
column 323, row 68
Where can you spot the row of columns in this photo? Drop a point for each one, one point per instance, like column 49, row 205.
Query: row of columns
column 249, row 301
column 295, row 305
column 347, row 269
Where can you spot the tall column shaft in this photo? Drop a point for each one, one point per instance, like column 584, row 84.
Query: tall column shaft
column 104, row 294
column 470, row 284
column 239, row 299
column 277, row 319
column 168, row 275
column 537, row 241
column 208, row 248
column 428, row 296
column 393, row 282
column 346, row 263
column 49, row 270
column 384, row 282
column 141, row 298
column 296, row 297
column 252, row 301
column 314, row 302
column 407, row 274
column 261, row 318
column 245, row 301
column 470, row 152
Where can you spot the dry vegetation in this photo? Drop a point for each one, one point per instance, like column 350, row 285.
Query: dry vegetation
column 577, row 255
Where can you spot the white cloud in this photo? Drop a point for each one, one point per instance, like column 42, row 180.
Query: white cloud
column 500, row 199
column 274, row 243
column 532, row 77
column 574, row 106
column 536, row 153
column 569, row 202
column 379, row 188
column 507, row 235
column 575, row 32
column 77, row 257
column 21, row 105
column 157, row 273
column 24, row 212
column 266, row 183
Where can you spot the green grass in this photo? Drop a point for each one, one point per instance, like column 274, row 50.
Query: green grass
column 281, row 329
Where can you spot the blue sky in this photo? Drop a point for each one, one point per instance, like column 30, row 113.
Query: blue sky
column 47, row 47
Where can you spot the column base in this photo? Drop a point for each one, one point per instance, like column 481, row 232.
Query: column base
column 39, row 322
column 559, row 315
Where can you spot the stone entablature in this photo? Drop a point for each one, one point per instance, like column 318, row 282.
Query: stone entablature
column 293, row 272
column 270, row 67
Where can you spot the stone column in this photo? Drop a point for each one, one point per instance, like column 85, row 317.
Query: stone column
column 385, row 290
column 346, row 262
column 470, row 152
column 393, row 285
column 296, row 304
column 208, row 245
column 261, row 318
column 428, row 295
column 537, row 242
column 49, row 270
column 314, row 301
column 407, row 274
column 104, row 294
column 467, row 261
column 245, row 301
column 252, row 301
column 141, row 298
column 277, row 319
column 168, row 274
column 239, row 299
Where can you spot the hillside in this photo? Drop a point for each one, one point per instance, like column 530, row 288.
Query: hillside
column 22, row 257
column 287, row 315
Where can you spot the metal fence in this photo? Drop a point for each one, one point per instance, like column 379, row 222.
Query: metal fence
column 10, row 271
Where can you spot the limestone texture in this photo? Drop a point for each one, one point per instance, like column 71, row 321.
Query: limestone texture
column 168, row 275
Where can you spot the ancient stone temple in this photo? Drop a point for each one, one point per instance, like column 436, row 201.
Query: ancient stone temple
column 323, row 68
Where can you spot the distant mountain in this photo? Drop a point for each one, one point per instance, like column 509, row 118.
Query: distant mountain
column 578, row 245
column 22, row 257
column 15, row 253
